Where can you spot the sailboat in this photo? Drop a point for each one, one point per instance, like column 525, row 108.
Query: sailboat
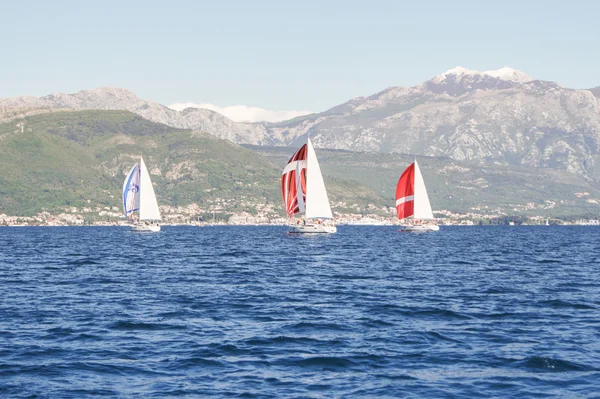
column 303, row 192
column 412, row 201
column 138, row 196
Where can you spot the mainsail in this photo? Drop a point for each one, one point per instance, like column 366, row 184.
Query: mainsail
column 411, row 195
column 131, row 189
column 317, row 202
column 148, row 204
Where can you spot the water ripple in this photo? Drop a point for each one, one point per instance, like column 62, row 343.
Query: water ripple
column 253, row 312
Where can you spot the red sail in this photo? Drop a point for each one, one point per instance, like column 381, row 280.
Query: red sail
column 289, row 182
column 405, row 193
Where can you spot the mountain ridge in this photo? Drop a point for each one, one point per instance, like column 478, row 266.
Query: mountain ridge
column 492, row 116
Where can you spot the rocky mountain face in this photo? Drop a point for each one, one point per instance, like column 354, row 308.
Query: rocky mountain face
column 502, row 116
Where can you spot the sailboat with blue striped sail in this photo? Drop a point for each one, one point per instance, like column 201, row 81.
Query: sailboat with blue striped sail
column 139, row 201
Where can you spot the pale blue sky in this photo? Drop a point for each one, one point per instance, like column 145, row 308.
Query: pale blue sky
column 305, row 55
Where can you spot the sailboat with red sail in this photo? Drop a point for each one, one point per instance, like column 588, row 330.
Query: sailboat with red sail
column 304, row 194
column 412, row 201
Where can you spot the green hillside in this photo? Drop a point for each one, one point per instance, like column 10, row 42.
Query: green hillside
column 460, row 187
column 80, row 158
column 51, row 161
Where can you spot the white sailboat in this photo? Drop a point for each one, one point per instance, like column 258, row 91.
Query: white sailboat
column 412, row 201
column 138, row 196
column 304, row 194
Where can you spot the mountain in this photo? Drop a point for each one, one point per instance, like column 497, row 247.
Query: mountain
column 501, row 116
column 243, row 113
column 108, row 98
column 60, row 159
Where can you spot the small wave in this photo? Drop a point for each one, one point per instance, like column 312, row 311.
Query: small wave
column 60, row 331
column 368, row 322
column 461, row 262
column 502, row 290
column 436, row 336
column 68, row 334
column 422, row 313
column 326, row 362
column 84, row 337
column 308, row 309
column 552, row 365
column 43, row 370
column 395, row 376
column 107, row 368
column 497, row 315
column 557, row 303
column 352, row 277
column 82, row 262
column 7, row 334
column 132, row 326
column 235, row 254
column 84, row 393
column 188, row 363
column 48, row 267
column 318, row 326
column 442, row 313
column 550, row 261
column 283, row 339
column 224, row 350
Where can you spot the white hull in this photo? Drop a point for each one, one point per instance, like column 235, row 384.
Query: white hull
column 420, row 227
column 313, row 228
column 146, row 227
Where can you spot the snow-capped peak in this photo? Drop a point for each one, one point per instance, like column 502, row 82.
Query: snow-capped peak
column 457, row 71
column 504, row 73
column 507, row 73
column 244, row 113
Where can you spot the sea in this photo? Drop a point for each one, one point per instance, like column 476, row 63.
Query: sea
column 255, row 312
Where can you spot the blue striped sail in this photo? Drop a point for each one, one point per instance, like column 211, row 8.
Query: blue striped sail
column 131, row 189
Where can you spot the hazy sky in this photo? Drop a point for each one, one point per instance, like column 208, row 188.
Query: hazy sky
column 286, row 55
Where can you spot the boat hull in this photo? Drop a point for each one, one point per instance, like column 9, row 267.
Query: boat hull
column 420, row 227
column 313, row 228
column 142, row 227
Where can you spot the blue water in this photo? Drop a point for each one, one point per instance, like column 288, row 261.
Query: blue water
column 229, row 312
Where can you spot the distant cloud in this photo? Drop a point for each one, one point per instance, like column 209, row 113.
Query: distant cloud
column 244, row 113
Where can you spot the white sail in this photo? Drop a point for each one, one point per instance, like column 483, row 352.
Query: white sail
column 131, row 188
column 317, row 203
column 148, row 204
column 422, row 207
